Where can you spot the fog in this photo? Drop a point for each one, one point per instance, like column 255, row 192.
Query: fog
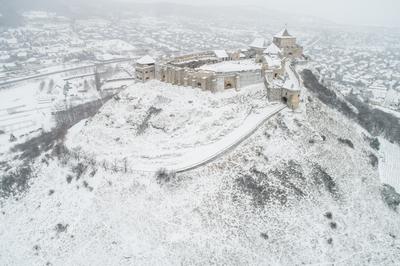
column 353, row 12
column 348, row 12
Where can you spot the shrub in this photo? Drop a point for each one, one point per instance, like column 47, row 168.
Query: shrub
column 60, row 228
column 152, row 111
column 347, row 142
column 15, row 181
column 86, row 185
column 79, row 170
column 373, row 160
column 164, row 176
column 321, row 177
column 375, row 144
column 328, row 215
column 390, row 196
column 12, row 138
column 69, row 179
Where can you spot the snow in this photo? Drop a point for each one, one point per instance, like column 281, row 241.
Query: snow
column 221, row 54
column 282, row 34
column 272, row 49
column 259, row 43
column 273, row 62
column 146, row 60
column 389, row 163
column 111, row 46
column 23, row 109
column 192, row 127
column 203, row 154
column 292, row 82
column 206, row 215
column 232, row 66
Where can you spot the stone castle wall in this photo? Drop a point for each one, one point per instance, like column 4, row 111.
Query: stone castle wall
column 184, row 71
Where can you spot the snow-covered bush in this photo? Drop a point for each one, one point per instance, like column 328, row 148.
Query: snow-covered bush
column 164, row 176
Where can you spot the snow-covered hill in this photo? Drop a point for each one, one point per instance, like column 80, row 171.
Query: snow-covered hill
column 304, row 189
column 158, row 125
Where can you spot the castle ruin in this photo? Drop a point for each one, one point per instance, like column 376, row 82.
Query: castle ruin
column 219, row 70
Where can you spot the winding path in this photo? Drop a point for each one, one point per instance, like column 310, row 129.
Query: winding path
column 230, row 142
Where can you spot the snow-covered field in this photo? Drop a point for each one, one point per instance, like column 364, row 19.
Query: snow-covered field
column 27, row 107
column 187, row 126
column 389, row 163
column 22, row 110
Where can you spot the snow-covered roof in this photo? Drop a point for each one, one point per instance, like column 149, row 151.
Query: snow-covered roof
column 259, row 43
column 282, row 34
column 221, row 54
column 146, row 60
column 272, row 49
column 273, row 61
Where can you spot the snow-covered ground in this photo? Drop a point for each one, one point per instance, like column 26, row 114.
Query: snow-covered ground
column 27, row 107
column 233, row 66
column 290, row 194
column 389, row 163
column 22, row 110
column 190, row 126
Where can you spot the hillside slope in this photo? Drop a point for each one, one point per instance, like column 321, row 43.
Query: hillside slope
column 304, row 189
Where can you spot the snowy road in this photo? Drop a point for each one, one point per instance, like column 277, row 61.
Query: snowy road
column 59, row 71
column 206, row 154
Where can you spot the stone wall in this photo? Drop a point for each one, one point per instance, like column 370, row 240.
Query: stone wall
column 206, row 80
column 250, row 77
column 279, row 94
column 145, row 72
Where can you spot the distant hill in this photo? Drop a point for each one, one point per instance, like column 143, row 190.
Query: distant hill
column 75, row 8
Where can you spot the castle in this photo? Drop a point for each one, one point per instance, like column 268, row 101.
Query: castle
column 271, row 64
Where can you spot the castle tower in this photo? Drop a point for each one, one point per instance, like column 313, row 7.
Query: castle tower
column 145, row 68
column 287, row 43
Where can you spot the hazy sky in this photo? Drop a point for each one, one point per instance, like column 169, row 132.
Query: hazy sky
column 357, row 12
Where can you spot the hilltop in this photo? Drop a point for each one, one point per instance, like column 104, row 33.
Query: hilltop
column 304, row 188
